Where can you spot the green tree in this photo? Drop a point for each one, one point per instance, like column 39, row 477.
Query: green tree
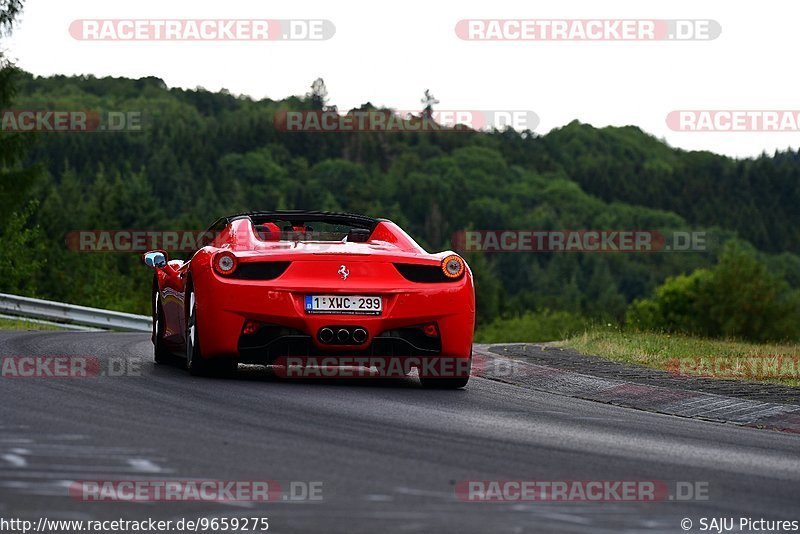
column 738, row 298
column 22, row 244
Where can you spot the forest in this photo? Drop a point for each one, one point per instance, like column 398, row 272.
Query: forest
column 197, row 155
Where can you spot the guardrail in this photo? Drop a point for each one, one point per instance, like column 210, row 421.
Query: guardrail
column 58, row 312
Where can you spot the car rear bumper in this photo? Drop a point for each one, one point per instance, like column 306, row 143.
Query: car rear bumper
column 286, row 329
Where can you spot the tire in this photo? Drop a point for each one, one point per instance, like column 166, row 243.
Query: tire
column 223, row 367
column 446, row 383
column 161, row 354
column 195, row 363
column 194, row 360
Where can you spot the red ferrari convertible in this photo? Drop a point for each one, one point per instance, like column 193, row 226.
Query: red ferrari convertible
column 305, row 288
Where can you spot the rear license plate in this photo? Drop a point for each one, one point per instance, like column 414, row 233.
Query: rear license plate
column 344, row 304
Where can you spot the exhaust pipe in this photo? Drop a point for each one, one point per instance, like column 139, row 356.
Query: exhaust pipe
column 326, row 335
column 359, row 335
column 342, row 335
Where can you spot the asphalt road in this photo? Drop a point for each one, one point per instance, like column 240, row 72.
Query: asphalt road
column 388, row 453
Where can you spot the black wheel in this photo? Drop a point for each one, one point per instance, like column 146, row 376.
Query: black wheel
column 447, row 383
column 443, row 383
column 160, row 352
column 223, row 367
column 195, row 363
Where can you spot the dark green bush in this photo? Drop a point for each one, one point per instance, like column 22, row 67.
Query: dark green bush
column 738, row 298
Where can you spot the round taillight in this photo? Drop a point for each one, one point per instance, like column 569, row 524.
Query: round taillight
column 453, row 266
column 225, row 263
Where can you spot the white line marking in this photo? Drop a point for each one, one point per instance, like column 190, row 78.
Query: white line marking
column 143, row 465
column 15, row 459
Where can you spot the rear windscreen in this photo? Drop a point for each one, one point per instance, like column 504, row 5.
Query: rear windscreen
column 300, row 230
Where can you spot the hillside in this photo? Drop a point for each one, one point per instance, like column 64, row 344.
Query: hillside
column 201, row 155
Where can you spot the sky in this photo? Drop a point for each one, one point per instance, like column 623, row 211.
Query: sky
column 388, row 53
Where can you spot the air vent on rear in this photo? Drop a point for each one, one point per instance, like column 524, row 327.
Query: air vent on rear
column 260, row 270
column 425, row 274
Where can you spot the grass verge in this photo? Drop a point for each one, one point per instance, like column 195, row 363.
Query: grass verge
column 22, row 324
column 690, row 356
column 532, row 327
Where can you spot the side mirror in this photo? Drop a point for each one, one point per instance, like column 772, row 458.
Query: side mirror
column 156, row 259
